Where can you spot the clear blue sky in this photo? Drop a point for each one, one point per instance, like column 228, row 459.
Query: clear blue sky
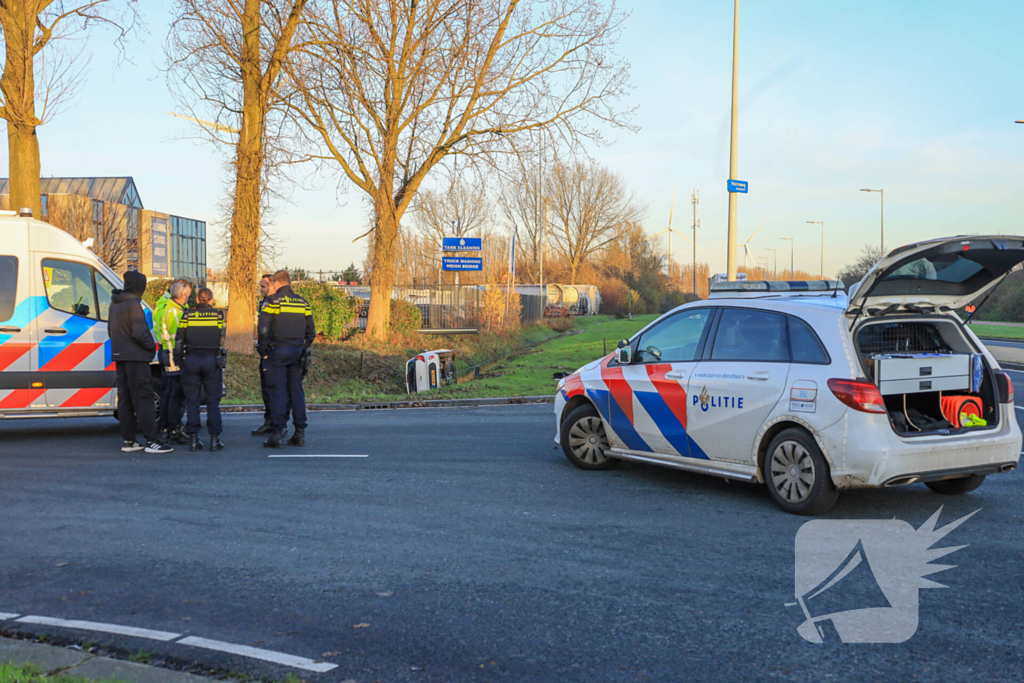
column 915, row 97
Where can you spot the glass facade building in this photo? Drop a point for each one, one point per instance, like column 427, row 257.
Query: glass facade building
column 188, row 249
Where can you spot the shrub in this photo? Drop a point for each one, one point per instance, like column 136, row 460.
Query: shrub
column 155, row 288
column 405, row 317
column 333, row 309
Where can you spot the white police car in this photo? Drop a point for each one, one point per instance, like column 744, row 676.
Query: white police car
column 810, row 390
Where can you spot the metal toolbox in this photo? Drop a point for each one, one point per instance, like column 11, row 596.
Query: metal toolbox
column 921, row 372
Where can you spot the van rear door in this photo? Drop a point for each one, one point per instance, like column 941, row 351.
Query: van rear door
column 948, row 273
column 17, row 312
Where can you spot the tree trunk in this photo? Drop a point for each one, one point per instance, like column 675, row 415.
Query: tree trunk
column 18, row 84
column 246, row 215
column 382, row 278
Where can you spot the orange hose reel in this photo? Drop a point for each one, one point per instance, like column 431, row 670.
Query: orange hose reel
column 953, row 407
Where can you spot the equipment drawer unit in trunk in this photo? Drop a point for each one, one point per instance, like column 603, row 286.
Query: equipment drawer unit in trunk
column 915, row 373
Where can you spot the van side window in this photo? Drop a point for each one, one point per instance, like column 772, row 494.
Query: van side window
column 8, row 286
column 805, row 344
column 69, row 287
column 750, row 335
column 675, row 339
column 105, row 292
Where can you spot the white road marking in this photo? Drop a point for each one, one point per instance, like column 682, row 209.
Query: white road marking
column 163, row 636
column 4, row 616
column 257, row 653
column 1019, row 407
column 303, row 455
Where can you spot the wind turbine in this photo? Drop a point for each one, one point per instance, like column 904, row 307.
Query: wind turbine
column 670, row 231
column 746, row 245
column 209, row 125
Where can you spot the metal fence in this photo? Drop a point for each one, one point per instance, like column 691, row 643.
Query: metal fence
column 445, row 307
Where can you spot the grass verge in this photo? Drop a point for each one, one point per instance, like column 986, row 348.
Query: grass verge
column 361, row 370
column 998, row 331
column 14, row 673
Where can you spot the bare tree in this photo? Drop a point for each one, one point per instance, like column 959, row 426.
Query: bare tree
column 106, row 223
column 225, row 59
column 852, row 273
column 464, row 204
column 590, row 207
column 389, row 88
column 43, row 65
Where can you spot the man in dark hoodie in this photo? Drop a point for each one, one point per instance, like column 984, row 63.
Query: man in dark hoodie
column 132, row 348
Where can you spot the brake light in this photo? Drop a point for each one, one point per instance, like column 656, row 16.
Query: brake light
column 1005, row 386
column 858, row 394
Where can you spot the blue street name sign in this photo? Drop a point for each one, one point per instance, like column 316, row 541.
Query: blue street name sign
column 738, row 186
column 461, row 263
column 462, row 244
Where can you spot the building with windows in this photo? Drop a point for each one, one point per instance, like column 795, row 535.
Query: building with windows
column 125, row 234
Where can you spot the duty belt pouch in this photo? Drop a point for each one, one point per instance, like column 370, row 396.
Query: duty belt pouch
column 222, row 359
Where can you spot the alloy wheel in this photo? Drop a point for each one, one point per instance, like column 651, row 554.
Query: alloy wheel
column 588, row 440
column 792, row 471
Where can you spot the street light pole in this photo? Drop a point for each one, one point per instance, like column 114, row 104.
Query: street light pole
column 792, row 243
column 882, row 193
column 775, row 264
column 822, row 223
column 734, row 149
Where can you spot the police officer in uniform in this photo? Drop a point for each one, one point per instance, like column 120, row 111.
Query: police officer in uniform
column 198, row 352
column 264, row 429
column 286, row 331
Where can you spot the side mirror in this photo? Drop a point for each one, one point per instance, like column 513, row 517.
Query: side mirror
column 623, row 343
column 624, row 355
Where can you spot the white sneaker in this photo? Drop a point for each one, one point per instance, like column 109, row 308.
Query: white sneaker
column 131, row 446
column 157, row 447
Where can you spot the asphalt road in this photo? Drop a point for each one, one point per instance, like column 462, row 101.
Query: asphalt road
column 466, row 548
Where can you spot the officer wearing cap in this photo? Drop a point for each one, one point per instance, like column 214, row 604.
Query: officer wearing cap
column 286, row 331
column 198, row 352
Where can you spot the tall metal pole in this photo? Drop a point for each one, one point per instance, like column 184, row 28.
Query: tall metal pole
column 734, row 150
column 775, row 265
column 544, row 251
column 882, row 193
column 695, row 200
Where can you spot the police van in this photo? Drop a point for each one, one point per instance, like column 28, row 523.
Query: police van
column 809, row 389
column 55, row 355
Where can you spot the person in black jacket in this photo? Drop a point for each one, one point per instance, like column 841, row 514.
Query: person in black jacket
column 133, row 348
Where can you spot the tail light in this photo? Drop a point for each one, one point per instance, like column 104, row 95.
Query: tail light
column 1005, row 386
column 858, row 394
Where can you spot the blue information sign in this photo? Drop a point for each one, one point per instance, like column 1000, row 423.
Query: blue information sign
column 461, row 263
column 737, row 186
column 462, row 244
column 158, row 239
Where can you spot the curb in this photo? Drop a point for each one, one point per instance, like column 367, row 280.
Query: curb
column 397, row 405
column 73, row 661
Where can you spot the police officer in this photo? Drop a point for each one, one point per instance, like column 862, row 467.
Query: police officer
column 286, row 331
column 264, row 429
column 198, row 352
column 165, row 324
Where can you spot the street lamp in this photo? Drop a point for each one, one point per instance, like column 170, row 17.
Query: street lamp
column 775, row 264
column 882, row 193
column 792, row 273
column 822, row 224
column 547, row 229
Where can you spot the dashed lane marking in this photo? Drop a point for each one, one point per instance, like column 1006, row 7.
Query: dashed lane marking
column 303, row 455
column 163, row 636
column 192, row 641
column 257, row 653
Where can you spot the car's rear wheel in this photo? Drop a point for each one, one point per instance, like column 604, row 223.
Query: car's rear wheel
column 956, row 487
column 584, row 440
column 798, row 475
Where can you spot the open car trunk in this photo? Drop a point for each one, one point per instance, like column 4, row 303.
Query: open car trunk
column 931, row 377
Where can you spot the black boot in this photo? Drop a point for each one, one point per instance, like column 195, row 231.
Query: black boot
column 262, row 431
column 178, row 435
column 216, row 444
column 276, row 440
column 195, row 444
column 299, row 437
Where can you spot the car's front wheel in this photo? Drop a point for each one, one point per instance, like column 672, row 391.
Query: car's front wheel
column 797, row 474
column 584, row 440
column 956, row 487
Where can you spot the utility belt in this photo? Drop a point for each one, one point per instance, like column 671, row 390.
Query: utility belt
column 220, row 353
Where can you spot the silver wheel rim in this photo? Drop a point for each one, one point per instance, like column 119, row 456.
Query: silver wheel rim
column 792, row 471
column 587, row 440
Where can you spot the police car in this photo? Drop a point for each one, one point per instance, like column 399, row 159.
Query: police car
column 808, row 389
column 55, row 355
